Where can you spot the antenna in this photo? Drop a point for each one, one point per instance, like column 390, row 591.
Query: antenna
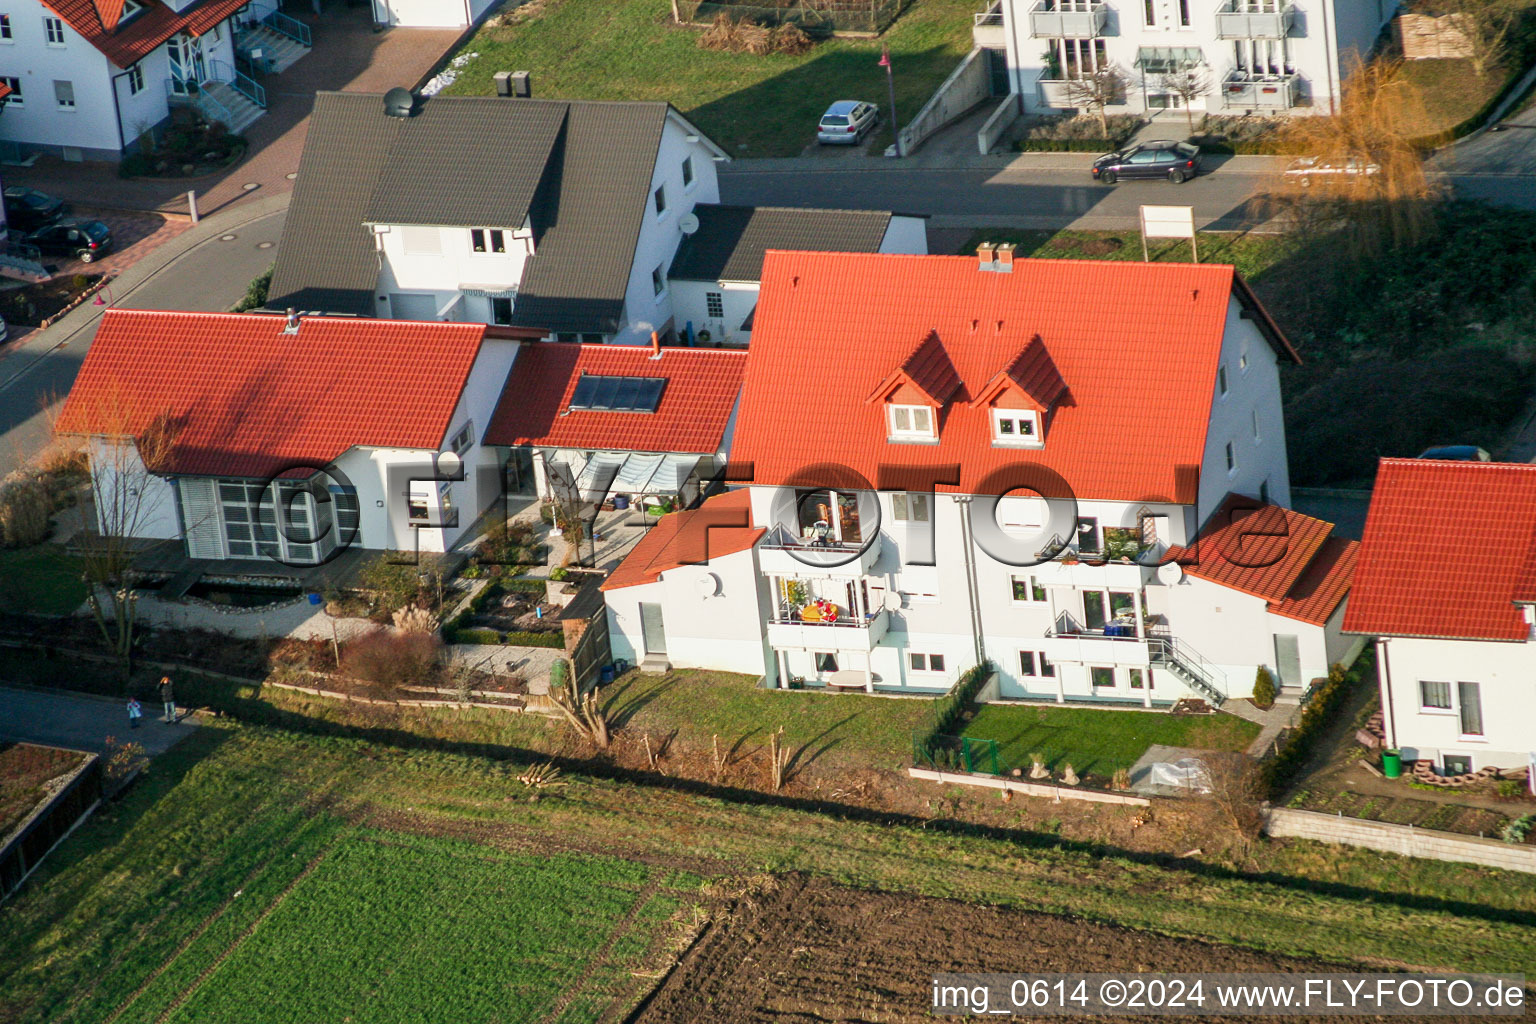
column 688, row 223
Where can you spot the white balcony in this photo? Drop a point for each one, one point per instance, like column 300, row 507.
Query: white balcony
column 1089, row 575
column 987, row 29
column 780, row 554
column 1244, row 91
column 1236, row 19
column 1090, row 648
column 1067, row 19
column 844, row 634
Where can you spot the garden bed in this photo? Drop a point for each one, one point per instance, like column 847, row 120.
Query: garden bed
column 27, row 779
column 30, row 306
column 189, row 149
column 1066, row 133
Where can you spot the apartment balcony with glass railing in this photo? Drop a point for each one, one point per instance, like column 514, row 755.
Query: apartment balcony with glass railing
column 1243, row 90
column 1244, row 19
column 1067, row 19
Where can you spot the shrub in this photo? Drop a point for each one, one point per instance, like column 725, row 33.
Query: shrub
column 1516, row 831
column 1264, row 688
column 552, row 639
column 255, row 293
column 1078, row 134
column 1315, row 718
column 471, row 636
column 415, row 620
column 24, row 512
column 395, row 580
column 392, row 660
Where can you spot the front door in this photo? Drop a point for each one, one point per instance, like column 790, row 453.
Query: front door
column 1288, row 659
column 651, row 628
column 187, row 63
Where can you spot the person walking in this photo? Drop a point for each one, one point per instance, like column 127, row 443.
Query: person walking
column 135, row 712
column 168, row 698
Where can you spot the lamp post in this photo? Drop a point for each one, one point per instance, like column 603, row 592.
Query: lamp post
column 890, row 83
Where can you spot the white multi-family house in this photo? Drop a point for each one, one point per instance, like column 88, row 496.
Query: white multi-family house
column 88, row 78
column 1245, row 56
column 1070, row 469
column 430, row 13
column 542, row 218
column 289, row 441
column 1446, row 582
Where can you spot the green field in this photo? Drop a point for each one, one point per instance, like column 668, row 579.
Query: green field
column 1097, row 741
column 751, row 105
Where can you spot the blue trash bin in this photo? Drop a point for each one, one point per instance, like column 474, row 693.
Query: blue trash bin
column 605, row 674
column 620, row 502
column 314, row 598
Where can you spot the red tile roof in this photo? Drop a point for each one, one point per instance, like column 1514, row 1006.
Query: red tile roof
column 1136, row 343
column 718, row 527
column 928, row 369
column 1033, row 373
column 127, row 43
column 1448, row 551
column 247, row 399
column 1288, row 559
column 692, row 416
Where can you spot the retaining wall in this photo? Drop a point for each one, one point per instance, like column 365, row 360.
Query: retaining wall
column 966, row 86
column 1028, row 788
column 1401, row 839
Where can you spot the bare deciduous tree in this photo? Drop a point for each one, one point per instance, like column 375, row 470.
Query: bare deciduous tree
column 582, row 711
column 1237, row 790
column 1487, row 25
column 1188, row 84
column 1096, row 90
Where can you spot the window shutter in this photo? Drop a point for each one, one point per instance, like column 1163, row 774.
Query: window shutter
column 200, row 518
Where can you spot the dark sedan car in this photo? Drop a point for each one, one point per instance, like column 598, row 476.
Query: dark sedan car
column 1176, row 161
column 84, row 240
column 27, row 209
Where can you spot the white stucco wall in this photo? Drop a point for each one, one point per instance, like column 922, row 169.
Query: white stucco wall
column 1506, row 673
column 719, row 631
column 1252, row 391
column 117, row 474
column 455, row 266
column 37, row 122
column 430, row 13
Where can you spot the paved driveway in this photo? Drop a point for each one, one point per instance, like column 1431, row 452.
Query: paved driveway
column 82, row 722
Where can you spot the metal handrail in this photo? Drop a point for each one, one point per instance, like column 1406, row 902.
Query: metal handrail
column 780, row 539
column 199, row 96
column 784, row 616
column 1066, row 626
column 283, row 24
column 1175, row 650
column 243, row 84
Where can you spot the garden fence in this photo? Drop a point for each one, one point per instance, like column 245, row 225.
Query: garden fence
column 814, row 17
column 957, row 753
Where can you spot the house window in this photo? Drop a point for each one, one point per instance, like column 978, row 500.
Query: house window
column 64, row 95
column 687, row 171
column 926, row 662
column 53, row 29
column 1221, row 378
column 14, row 99
column 714, row 305
column 659, row 280
column 421, row 241
column 5, row 28
column 1184, row 13
column 1027, row 588
column 1434, row 696
column 347, row 514
column 1011, row 426
column 1149, row 12
column 1231, row 458
column 135, row 80
column 501, row 311
column 130, row 8
column 251, row 529
column 661, row 200
column 567, row 337
column 826, row 662
column 1469, row 695
column 911, row 421
column 1027, row 663
column 1242, row 360
column 1140, row 678
column 1254, row 418
column 1456, row 764
column 464, row 439
column 1047, row 669
column 1103, row 677
column 488, row 240
column 909, row 507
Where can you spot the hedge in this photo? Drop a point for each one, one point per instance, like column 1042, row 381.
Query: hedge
column 948, row 708
column 523, row 586
column 1068, row 145
column 491, row 636
column 535, row 639
column 1316, row 717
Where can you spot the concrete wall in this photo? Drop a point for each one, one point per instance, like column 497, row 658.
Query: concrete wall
column 969, row 84
column 1400, row 839
column 430, row 13
column 1503, row 671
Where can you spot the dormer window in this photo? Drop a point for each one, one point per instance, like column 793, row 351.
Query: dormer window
column 910, row 422
column 130, row 8
column 1016, row 427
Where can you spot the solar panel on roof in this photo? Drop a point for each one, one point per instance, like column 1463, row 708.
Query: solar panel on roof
column 599, row 393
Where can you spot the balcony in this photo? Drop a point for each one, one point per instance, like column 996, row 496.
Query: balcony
column 782, row 554
column 987, row 31
column 1070, row 643
column 1067, row 566
column 789, row 630
column 1244, row 91
column 1067, row 19
column 1236, row 19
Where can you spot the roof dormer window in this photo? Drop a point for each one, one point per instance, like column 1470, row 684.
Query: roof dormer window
column 1016, row 427
column 910, row 422
column 130, row 8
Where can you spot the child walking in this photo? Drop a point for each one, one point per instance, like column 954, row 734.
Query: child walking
column 135, row 712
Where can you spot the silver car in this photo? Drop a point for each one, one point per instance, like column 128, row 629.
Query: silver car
column 847, row 122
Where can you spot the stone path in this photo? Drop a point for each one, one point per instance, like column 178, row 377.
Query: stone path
column 1271, row 722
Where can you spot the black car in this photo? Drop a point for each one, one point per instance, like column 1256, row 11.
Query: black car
column 84, row 240
column 1176, row 161
column 27, row 209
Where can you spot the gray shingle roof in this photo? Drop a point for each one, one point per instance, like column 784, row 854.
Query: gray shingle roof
column 580, row 170
column 731, row 240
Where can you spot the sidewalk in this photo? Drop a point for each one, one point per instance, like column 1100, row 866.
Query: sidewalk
column 83, row 722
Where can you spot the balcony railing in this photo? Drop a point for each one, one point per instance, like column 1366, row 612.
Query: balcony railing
column 993, row 15
column 1236, row 19
column 987, row 28
column 1064, row 19
column 1244, row 91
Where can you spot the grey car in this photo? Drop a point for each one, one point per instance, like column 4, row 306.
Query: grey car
column 846, row 122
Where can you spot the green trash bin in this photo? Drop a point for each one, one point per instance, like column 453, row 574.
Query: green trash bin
column 1391, row 763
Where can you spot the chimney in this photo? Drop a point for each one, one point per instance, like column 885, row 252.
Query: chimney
column 986, row 255
column 292, row 326
column 655, row 345
column 513, row 84
column 1005, row 257
column 503, row 81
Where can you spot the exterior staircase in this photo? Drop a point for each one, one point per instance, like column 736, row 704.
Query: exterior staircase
column 1188, row 667
column 20, row 264
column 219, row 101
column 278, row 50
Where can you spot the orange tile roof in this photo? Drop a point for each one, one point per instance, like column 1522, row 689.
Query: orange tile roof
column 928, row 369
column 247, row 399
column 1137, row 344
column 124, row 44
column 718, row 527
column 1448, row 551
column 1288, row 559
column 695, row 408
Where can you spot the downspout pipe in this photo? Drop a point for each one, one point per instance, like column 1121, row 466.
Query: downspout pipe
column 1389, row 710
column 117, row 111
column 973, row 593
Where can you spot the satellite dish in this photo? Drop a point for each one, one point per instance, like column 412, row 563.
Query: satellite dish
column 688, row 223
column 399, row 102
column 709, row 585
column 1170, row 573
column 892, row 601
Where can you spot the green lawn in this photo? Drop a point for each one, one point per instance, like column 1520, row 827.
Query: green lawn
column 1252, row 254
column 1450, row 90
column 42, row 580
column 751, row 105
column 1097, row 741
column 821, row 727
